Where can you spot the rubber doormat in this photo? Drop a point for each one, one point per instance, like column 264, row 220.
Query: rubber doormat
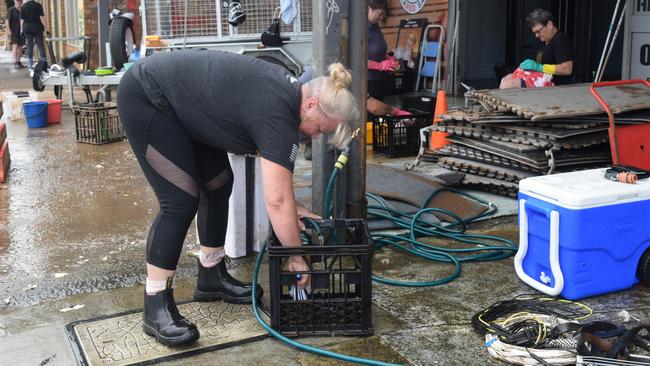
column 118, row 340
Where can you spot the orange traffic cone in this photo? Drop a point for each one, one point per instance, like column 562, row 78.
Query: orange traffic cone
column 439, row 139
column 441, row 106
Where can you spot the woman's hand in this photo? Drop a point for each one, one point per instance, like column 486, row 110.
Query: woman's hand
column 390, row 64
column 304, row 212
column 297, row 264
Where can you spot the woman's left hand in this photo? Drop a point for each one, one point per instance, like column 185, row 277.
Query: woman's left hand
column 304, row 212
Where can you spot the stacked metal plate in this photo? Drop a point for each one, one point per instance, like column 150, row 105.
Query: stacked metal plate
column 518, row 133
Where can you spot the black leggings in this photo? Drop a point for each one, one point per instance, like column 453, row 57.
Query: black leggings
column 185, row 175
column 34, row 34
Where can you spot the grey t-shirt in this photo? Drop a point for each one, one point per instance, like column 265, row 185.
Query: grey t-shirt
column 228, row 101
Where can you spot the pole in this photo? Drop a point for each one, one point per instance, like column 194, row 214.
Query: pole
column 184, row 24
column 328, row 33
column 609, row 32
column 102, row 29
column 357, row 205
column 339, row 35
column 611, row 46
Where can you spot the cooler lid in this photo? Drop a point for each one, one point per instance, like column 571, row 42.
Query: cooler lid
column 583, row 189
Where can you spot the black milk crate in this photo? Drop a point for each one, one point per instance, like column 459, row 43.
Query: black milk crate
column 339, row 254
column 97, row 123
column 399, row 135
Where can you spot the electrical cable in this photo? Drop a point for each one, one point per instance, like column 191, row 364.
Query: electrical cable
column 489, row 319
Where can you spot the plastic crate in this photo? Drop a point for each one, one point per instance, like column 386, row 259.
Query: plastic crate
column 97, row 123
column 339, row 254
column 398, row 136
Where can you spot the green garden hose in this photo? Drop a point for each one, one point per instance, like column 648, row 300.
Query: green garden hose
column 418, row 227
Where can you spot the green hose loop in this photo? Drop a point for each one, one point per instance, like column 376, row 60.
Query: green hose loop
column 484, row 248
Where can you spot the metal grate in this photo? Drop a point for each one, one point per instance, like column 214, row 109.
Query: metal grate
column 178, row 21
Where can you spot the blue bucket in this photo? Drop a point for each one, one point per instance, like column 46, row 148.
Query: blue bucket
column 35, row 114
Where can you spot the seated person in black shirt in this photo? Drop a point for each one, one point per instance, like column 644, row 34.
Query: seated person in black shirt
column 554, row 57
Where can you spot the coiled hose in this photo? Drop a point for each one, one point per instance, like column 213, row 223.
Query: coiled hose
column 418, row 227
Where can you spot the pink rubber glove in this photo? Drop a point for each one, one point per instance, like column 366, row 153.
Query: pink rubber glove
column 399, row 112
column 390, row 64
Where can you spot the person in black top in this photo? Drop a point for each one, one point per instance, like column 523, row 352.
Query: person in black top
column 554, row 57
column 34, row 24
column 14, row 33
column 182, row 112
column 379, row 63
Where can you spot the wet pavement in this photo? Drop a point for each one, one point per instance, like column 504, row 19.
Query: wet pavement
column 73, row 224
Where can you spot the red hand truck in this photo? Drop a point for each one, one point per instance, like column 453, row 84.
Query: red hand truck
column 630, row 145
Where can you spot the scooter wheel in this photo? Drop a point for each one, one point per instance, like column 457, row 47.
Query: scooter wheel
column 37, row 82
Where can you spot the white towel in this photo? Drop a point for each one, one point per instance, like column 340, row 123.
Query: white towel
column 288, row 10
column 299, row 294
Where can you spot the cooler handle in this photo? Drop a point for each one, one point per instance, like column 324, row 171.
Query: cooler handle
column 554, row 250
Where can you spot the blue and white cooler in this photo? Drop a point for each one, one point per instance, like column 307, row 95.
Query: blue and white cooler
column 580, row 234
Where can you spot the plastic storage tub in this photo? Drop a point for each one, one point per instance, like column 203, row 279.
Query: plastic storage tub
column 580, row 234
column 54, row 111
column 12, row 103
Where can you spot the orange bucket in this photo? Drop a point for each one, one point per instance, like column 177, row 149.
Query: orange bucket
column 54, row 111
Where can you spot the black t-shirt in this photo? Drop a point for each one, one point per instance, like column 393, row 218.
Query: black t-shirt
column 31, row 13
column 377, row 48
column 228, row 101
column 13, row 17
column 557, row 51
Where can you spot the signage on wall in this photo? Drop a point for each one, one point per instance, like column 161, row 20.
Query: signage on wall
column 642, row 6
column 640, row 57
column 414, row 6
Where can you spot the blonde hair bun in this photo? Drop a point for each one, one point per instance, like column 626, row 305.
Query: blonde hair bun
column 340, row 76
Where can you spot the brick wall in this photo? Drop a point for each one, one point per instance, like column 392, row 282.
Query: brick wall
column 91, row 29
column 3, row 11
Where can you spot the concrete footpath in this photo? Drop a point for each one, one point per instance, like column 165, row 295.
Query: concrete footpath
column 73, row 224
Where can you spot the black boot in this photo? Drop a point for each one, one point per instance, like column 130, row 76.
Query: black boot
column 162, row 320
column 215, row 283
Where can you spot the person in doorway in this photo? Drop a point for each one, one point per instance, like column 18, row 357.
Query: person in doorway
column 34, row 25
column 14, row 33
column 379, row 62
column 181, row 121
column 554, row 58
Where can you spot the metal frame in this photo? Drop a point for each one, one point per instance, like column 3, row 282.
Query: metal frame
column 204, row 21
column 106, row 83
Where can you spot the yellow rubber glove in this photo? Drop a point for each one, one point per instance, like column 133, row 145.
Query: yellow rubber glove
column 534, row 66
